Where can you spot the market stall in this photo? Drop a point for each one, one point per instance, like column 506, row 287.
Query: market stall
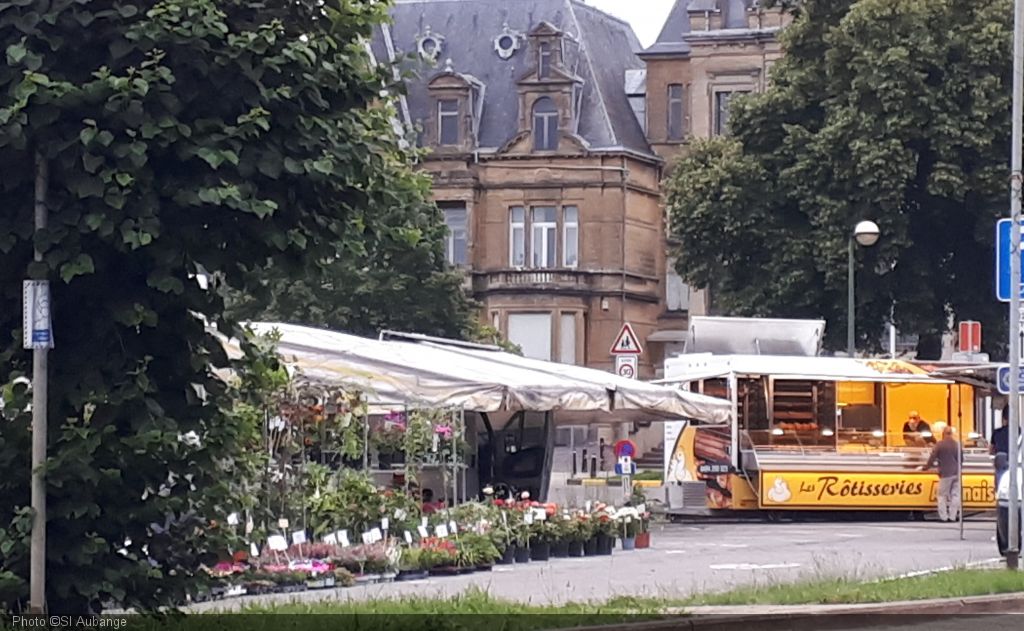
column 824, row 433
column 508, row 405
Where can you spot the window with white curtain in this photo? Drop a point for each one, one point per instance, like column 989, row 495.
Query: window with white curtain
column 455, row 218
column 570, row 236
column 543, row 245
column 517, row 237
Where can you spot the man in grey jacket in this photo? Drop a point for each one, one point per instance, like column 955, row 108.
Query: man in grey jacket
column 947, row 456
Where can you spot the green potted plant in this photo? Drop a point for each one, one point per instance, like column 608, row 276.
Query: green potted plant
column 520, row 537
column 563, row 526
column 343, row 578
column 412, row 565
column 543, row 533
column 502, row 538
column 476, row 551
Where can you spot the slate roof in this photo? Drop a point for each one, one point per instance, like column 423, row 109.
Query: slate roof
column 671, row 39
column 598, row 48
column 676, row 32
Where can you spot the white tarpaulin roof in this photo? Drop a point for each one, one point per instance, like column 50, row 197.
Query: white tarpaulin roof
column 684, row 368
column 430, row 374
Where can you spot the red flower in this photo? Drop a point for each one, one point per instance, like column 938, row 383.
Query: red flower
column 499, row 502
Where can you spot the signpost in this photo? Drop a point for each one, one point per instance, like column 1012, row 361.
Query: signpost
column 626, row 342
column 625, row 451
column 626, row 350
column 626, row 366
column 1014, row 288
column 1004, row 246
column 1003, row 379
column 970, row 337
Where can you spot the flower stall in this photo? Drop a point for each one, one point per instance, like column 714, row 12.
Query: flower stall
column 357, row 431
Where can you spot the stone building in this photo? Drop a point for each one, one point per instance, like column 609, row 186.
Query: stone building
column 548, row 129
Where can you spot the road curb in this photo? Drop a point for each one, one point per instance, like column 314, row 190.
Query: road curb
column 815, row 617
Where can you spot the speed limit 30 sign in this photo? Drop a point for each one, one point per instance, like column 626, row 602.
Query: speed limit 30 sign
column 626, row 366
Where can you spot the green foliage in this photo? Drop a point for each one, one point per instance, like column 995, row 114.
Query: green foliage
column 182, row 137
column 476, row 549
column 892, row 111
column 398, row 279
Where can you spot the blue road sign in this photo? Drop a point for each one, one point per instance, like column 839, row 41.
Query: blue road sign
column 1003, row 248
column 1003, row 379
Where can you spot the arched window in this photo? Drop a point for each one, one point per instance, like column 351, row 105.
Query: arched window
column 545, row 125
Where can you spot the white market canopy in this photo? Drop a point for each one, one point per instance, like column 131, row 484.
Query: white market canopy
column 686, row 368
column 430, row 374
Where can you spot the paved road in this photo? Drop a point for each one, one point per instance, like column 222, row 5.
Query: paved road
column 699, row 558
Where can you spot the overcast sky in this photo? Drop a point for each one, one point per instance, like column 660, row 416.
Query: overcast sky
column 646, row 16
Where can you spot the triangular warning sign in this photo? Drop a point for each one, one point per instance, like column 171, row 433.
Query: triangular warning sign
column 627, row 343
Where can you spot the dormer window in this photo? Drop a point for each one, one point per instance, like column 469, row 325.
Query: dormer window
column 545, row 125
column 447, row 122
column 544, row 60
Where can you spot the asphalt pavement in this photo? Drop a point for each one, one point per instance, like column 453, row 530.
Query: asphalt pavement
column 694, row 558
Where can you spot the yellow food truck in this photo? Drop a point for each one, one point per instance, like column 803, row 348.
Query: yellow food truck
column 826, row 433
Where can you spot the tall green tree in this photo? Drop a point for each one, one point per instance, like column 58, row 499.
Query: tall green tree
column 895, row 111
column 398, row 279
column 182, row 137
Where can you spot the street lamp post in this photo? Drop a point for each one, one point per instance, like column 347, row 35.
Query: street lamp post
column 866, row 234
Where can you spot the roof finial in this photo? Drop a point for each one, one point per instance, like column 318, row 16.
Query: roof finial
column 448, row 65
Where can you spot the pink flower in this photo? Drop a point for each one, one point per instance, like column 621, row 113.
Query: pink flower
column 444, row 431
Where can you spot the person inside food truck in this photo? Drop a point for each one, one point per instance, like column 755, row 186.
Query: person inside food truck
column 916, row 432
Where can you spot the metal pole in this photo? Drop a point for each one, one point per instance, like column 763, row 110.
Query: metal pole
column 37, row 552
column 960, row 482
column 1013, row 552
column 850, row 305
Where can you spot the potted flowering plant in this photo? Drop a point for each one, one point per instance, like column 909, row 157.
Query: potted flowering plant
column 628, row 519
column 579, row 531
column 439, row 555
column 606, row 529
column 563, row 523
